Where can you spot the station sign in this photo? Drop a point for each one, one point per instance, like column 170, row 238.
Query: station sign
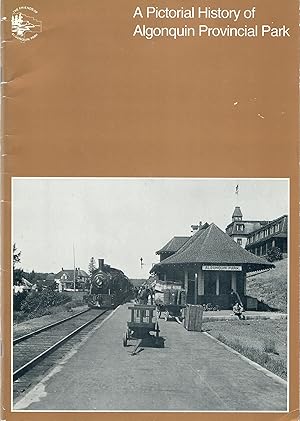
column 223, row 268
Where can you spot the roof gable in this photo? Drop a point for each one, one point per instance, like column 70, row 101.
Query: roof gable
column 173, row 245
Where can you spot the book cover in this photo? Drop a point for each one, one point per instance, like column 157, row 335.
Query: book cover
column 149, row 210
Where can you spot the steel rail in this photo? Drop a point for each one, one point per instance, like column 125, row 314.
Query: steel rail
column 42, row 329
column 20, row 371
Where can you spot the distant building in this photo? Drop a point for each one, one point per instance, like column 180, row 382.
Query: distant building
column 273, row 234
column 65, row 279
column 258, row 236
column 239, row 229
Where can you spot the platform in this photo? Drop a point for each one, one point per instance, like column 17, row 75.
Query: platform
column 192, row 372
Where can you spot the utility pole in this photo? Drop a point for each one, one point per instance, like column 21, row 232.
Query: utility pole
column 74, row 277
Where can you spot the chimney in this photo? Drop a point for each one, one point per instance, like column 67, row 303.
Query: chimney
column 62, row 269
column 101, row 263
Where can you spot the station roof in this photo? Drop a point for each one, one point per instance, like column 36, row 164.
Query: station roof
column 173, row 245
column 177, row 242
column 213, row 246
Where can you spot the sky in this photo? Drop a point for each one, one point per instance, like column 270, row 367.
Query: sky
column 124, row 219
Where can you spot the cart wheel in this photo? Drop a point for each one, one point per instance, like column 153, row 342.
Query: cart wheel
column 125, row 339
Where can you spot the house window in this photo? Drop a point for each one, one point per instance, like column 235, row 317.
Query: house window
column 239, row 241
column 276, row 227
column 272, row 230
column 240, row 227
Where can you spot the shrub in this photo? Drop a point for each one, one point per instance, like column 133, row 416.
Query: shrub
column 274, row 254
column 44, row 299
column 18, row 299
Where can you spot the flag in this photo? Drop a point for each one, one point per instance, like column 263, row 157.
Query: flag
column 237, row 189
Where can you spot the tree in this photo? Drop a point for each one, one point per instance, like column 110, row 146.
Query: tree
column 31, row 277
column 17, row 272
column 274, row 254
column 92, row 266
column 16, row 256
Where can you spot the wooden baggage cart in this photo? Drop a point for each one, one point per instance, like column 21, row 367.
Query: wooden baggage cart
column 142, row 322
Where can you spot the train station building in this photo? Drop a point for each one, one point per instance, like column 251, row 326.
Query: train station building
column 209, row 265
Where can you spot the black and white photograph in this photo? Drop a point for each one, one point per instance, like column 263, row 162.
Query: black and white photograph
column 150, row 294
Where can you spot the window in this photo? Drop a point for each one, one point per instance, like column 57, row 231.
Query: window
column 239, row 241
column 240, row 227
column 276, row 227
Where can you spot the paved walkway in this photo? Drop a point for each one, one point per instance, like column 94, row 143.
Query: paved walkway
column 191, row 373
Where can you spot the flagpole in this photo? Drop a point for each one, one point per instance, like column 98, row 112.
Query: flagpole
column 237, row 194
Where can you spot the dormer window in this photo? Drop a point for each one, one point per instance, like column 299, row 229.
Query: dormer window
column 240, row 227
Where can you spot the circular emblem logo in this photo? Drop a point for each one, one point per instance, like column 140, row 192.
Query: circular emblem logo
column 100, row 278
column 24, row 23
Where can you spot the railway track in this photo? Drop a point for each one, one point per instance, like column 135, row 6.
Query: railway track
column 30, row 349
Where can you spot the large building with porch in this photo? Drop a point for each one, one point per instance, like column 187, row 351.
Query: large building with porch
column 258, row 236
column 210, row 266
column 273, row 234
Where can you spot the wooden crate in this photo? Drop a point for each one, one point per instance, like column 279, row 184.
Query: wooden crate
column 193, row 317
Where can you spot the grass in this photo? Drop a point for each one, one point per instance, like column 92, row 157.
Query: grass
column 269, row 346
column 271, row 286
column 262, row 341
column 21, row 316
